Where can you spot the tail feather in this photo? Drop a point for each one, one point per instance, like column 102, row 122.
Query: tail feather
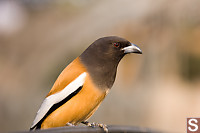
column 37, row 126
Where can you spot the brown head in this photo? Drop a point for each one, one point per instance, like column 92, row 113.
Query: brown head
column 102, row 57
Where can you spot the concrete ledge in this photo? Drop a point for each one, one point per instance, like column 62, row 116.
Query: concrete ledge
column 85, row 129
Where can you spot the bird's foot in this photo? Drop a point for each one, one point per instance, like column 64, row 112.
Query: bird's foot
column 94, row 124
column 70, row 124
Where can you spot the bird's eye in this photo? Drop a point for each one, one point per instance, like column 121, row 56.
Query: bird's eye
column 116, row 44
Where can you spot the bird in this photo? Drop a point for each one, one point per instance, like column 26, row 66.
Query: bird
column 83, row 84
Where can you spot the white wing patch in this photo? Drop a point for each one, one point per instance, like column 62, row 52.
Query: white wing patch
column 57, row 97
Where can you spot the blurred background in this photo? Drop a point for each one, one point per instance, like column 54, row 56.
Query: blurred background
column 158, row 89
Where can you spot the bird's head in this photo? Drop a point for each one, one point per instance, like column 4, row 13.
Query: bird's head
column 102, row 57
column 110, row 49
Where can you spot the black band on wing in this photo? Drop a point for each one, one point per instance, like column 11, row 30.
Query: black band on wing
column 55, row 106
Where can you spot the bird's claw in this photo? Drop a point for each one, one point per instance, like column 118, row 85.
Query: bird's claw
column 94, row 124
column 70, row 124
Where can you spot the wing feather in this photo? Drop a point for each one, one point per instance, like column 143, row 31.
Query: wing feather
column 57, row 97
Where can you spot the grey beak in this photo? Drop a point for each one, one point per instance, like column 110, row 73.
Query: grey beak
column 132, row 49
